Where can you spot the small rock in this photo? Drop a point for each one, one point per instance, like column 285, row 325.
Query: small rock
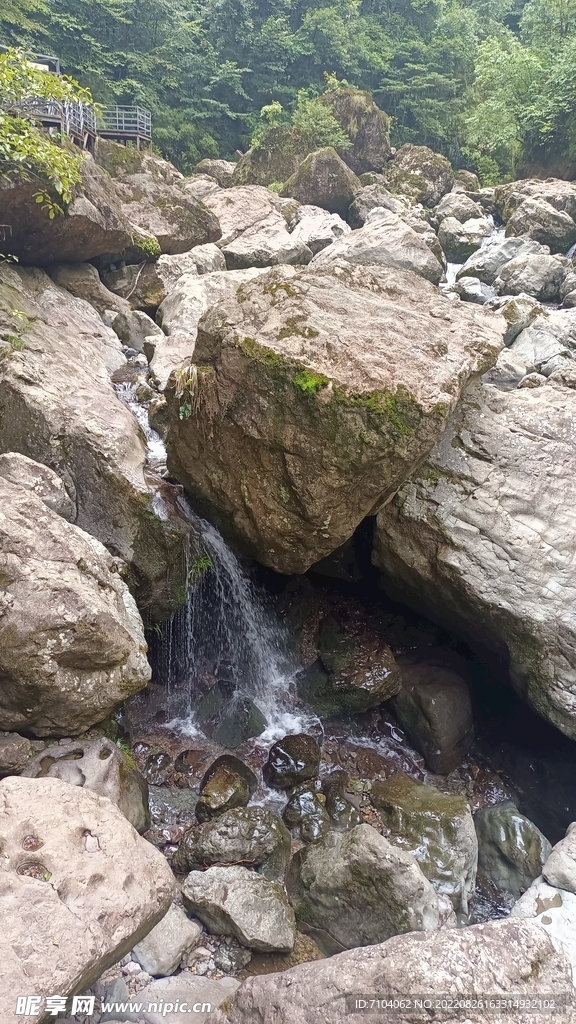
column 248, row 835
column 227, row 783
column 15, row 751
column 305, row 810
column 160, row 952
column 291, row 761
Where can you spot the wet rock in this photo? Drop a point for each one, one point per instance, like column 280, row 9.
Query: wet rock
column 340, row 801
column 357, row 671
column 314, row 363
column 323, row 179
column 538, row 219
column 181, row 310
column 539, row 276
column 186, row 990
column 549, row 334
column 385, row 240
column 553, row 910
column 238, row 902
column 228, row 783
column 511, row 850
column 93, row 223
column 152, row 197
column 157, row 767
column 71, row 639
column 98, row 765
column 435, row 708
column 512, row 957
column 507, row 373
column 251, row 836
column 448, row 540
column 42, row 481
column 367, row 127
column 437, row 828
column 471, row 289
column 160, row 952
column 372, row 197
column 79, row 888
column 305, row 811
column 229, row 721
column 420, row 174
column 15, row 752
column 221, row 170
column 459, row 240
column 315, row 228
column 487, row 262
column 355, row 888
column 292, row 760
column 560, row 868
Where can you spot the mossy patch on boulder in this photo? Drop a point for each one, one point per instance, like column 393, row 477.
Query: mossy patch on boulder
column 367, row 127
column 420, row 174
column 323, row 179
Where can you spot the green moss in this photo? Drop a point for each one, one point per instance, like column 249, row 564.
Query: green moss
column 127, row 754
column 280, row 286
column 400, row 408
column 294, row 326
column 260, row 353
column 310, row 382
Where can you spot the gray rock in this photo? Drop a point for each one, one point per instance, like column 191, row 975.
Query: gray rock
column 248, row 835
column 79, row 888
column 467, row 180
column 532, row 380
column 560, row 868
column 553, row 910
column 511, row 849
column 226, row 784
column 508, row 371
column 341, row 803
column 242, row 903
column 437, row 828
column 373, row 197
column 243, row 207
column 561, row 195
column 160, row 952
column 538, row 275
column 487, row 262
column 471, row 289
column 200, row 185
column 512, row 957
column 15, row 751
column 315, row 228
column 458, row 206
column 420, row 174
column 266, row 244
column 519, row 313
column 355, row 888
column 221, row 170
column 551, row 333
column 146, row 285
column 98, row 765
column 538, row 219
column 323, row 179
column 42, row 481
column 385, row 240
column 435, row 708
column 198, row 995
column 135, row 327
column 478, row 536
column 460, row 240
column 83, row 281
column 305, row 812
column 71, row 639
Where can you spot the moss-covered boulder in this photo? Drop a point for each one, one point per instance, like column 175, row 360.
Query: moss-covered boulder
column 314, row 393
column 323, row 179
column 420, row 174
column 367, row 127
column 276, row 159
column 437, row 829
column 512, row 850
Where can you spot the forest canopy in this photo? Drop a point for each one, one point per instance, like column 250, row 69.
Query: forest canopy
column 489, row 83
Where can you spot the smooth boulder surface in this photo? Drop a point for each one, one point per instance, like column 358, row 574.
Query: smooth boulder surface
column 420, row 174
column 79, row 889
column 355, row 888
column 221, row 170
column 226, row 784
column 267, row 244
column 98, row 765
column 512, row 958
column 251, row 836
column 292, row 760
column 316, row 228
column 367, row 127
column 458, row 206
column 58, row 407
column 308, row 412
column 93, row 223
column 83, row 281
column 243, row 207
column 371, row 197
column 560, row 868
column 482, row 537
column 460, row 239
column 43, row 482
column 160, row 952
column 236, row 901
column 540, row 276
column 511, row 849
column 551, row 334
column 385, row 240
column 72, row 642
column 185, row 989
column 487, row 262
column 561, row 195
column 553, row 910
column 435, row 708
column 323, row 179
column 437, row 828
column 538, row 219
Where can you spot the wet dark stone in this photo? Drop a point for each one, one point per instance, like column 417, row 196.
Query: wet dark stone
column 291, row 761
column 339, row 802
column 228, row 783
column 156, row 768
column 306, row 811
column 228, row 720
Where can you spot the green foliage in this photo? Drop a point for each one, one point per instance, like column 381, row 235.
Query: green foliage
column 199, row 568
column 149, row 246
column 310, row 382
column 311, row 126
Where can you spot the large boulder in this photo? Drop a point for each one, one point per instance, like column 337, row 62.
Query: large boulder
column 44, row 482
column 93, row 223
column 419, row 174
column 79, row 889
column 58, row 407
column 385, row 240
column 551, row 335
column 372, row 197
column 182, row 309
column 513, row 959
column 98, row 765
column 315, row 228
column 316, row 392
column 481, row 538
column 153, row 199
column 538, row 275
column 279, row 156
column 186, row 993
column 367, row 127
column 437, row 829
column 538, row 219
column 511, row 850
column 459, row 206
column 243, row 207
column 553, row 910
column 83, row 281
column 355, row 888
column 487, row 262
column 559, row 194
column 266, row 244
column 221, row 170
column 459, row 240
column 72, row 642
column 236, row 901
column 323, row 179
column 146, row 285
column 435, row 708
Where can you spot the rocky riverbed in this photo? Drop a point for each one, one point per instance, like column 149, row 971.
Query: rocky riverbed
column 287, row 644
